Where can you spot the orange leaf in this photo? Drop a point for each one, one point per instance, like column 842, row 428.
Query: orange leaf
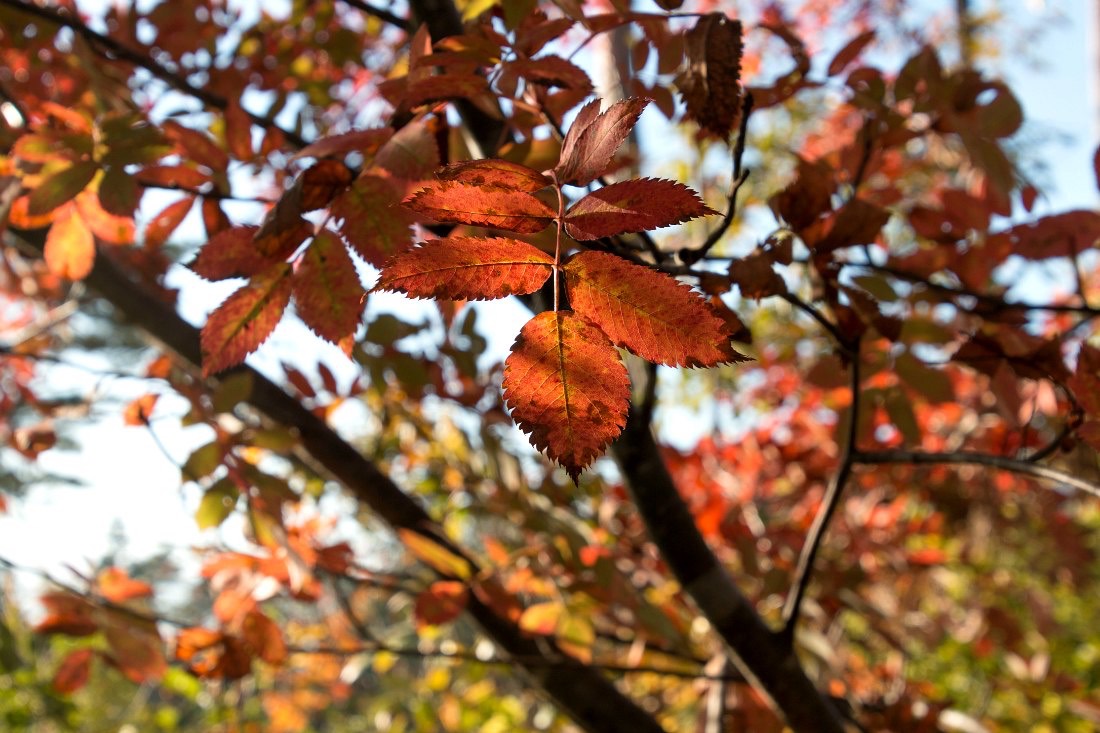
column 542, row 618
column 374, row 223
column 245, row 320
column 486, row 206
column 163, row 224
column 494, row 172
column 139, row 411
column 434, row 554
column 651, row 313
column 263, row 638
column 70, row 248
column 467, row 268
column 191, row 642
column 197, row 146
column 67, row 614
column 60, row 187
column 230, row 253
column 441, row 602
column 20, row 217
column 593, row 139
column 106, row 226
column 327, row 290
column 633, row 206
column 567, row 387
column 74, row 671
column 116, row 585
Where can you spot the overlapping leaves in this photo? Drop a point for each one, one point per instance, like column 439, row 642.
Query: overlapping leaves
column 564, row 379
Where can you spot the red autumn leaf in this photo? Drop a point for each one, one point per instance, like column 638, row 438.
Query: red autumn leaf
column 321, row 183
column 60, row 187
column 167, row 221
column 136, row 648
column 1058, row 235
column 412, row 153
column 173, row 176
column 359, row 141
column 552, row 71
column 651, row 313
column 374, row 223
column 263, row 637
column 327, row 290
column 74, row 671
column 67, row 614
column 567, row 386
column 494, row 172
column 633, row 206
column 238, row 130
column 444, row 87
column 139, row 411
column 196, row 146
column 70, row 248
column 244, row 321
column 857, row 222
column 116, row 585
column 593, row 139
column 230, row 253
column 850, row 52
column 440, row 603
column 711, row 83
column 107, row 227
column 281, row 233
column 485, row 206
column 467, row 268
column 755, row 276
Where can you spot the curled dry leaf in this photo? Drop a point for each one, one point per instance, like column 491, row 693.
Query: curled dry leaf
column 711, row 82
column 567, row 386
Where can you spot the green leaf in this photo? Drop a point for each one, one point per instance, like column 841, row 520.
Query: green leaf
column 203, row 461
column 217, row 503
column 61, row 187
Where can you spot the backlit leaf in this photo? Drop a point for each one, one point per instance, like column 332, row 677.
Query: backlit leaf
column 173, row 176
column 441, row 602
column 106, row 226
column 230, row 253
column 651, row 313
column 136, row 647
column 593, row 139
column 197, row 146
column 434, row 554
column 467, row 268
column 327, row 290
column 118, row 192
column 263, row 637
column 245, row 320
column 321, row 183
column 494, row 172
column 74, row 671
column 567, row 386
column 161, row 226
column 486, row 206
column 711, row 83
column 542, row 618
column 217, row 503
column 359, row 141
column 238, row 130
column 70, row 248
column 633, row 206
column 411, row 153
column 60, row 187
column 374, row 222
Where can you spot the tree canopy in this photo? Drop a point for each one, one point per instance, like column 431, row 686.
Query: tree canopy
column 781, row 445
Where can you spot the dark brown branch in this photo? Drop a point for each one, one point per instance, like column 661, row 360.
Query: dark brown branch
column 970, row 458
column 829, row 503
column 110, row 49
column 582, row 693
column 382, row 14
column 761, row 655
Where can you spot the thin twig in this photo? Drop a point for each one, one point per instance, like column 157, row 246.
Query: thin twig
column 1004, row 463
column 829, row 503
column 738, row 178
column 824, row 322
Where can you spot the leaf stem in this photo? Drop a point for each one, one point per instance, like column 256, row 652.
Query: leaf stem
column 560, row 221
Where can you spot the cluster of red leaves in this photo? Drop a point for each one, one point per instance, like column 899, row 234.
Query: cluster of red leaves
column 564, row 380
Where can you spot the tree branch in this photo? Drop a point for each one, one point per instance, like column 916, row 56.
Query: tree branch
column 761, row 655
column 383, row 15
column 829, row 503
column 971, row 458
column 583, row 693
